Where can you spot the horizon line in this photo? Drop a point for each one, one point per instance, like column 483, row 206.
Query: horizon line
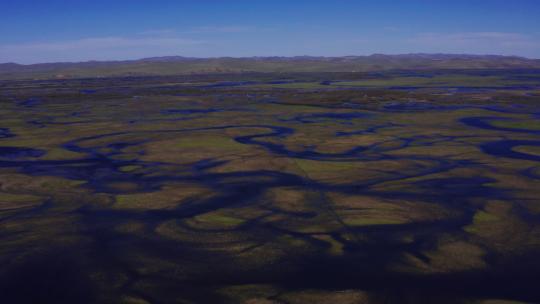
column 259, row 56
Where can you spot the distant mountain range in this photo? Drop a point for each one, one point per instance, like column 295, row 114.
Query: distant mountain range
column 177, row 65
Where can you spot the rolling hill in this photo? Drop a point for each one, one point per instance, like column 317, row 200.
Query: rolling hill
column 176, row 65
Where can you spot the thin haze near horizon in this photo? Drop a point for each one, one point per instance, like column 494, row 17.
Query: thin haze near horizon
column 61, row 30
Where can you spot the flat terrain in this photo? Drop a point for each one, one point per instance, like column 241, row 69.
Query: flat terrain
column 387, row 187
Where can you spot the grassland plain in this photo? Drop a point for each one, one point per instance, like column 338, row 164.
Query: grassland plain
column 394, row 187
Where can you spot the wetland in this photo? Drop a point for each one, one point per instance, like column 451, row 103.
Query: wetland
column 391, row 187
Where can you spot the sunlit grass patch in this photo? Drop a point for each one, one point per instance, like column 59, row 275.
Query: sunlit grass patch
column 215, row 220
column 250, row 161
column 47, row 185
column 359, row 211
column 289, row 199
column 363, row 220
column 449, row 256
column 449, row 149
column 518, row 124
column 275, row 250
column 483, row 216
column 209, row 236
column 130, row 168
column 532, row 150
column 200, row 142
column 498, row 227
column 192, row 148
column 317, row 167
column 10, row 203
column 62, row 154
column 166, row 198
column 494, row 214
column 318, row 222
column 343, row 144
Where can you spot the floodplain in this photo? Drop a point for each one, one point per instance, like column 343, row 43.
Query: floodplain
column 391, row 187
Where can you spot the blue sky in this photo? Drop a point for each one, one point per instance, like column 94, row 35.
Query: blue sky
column 80, row 30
